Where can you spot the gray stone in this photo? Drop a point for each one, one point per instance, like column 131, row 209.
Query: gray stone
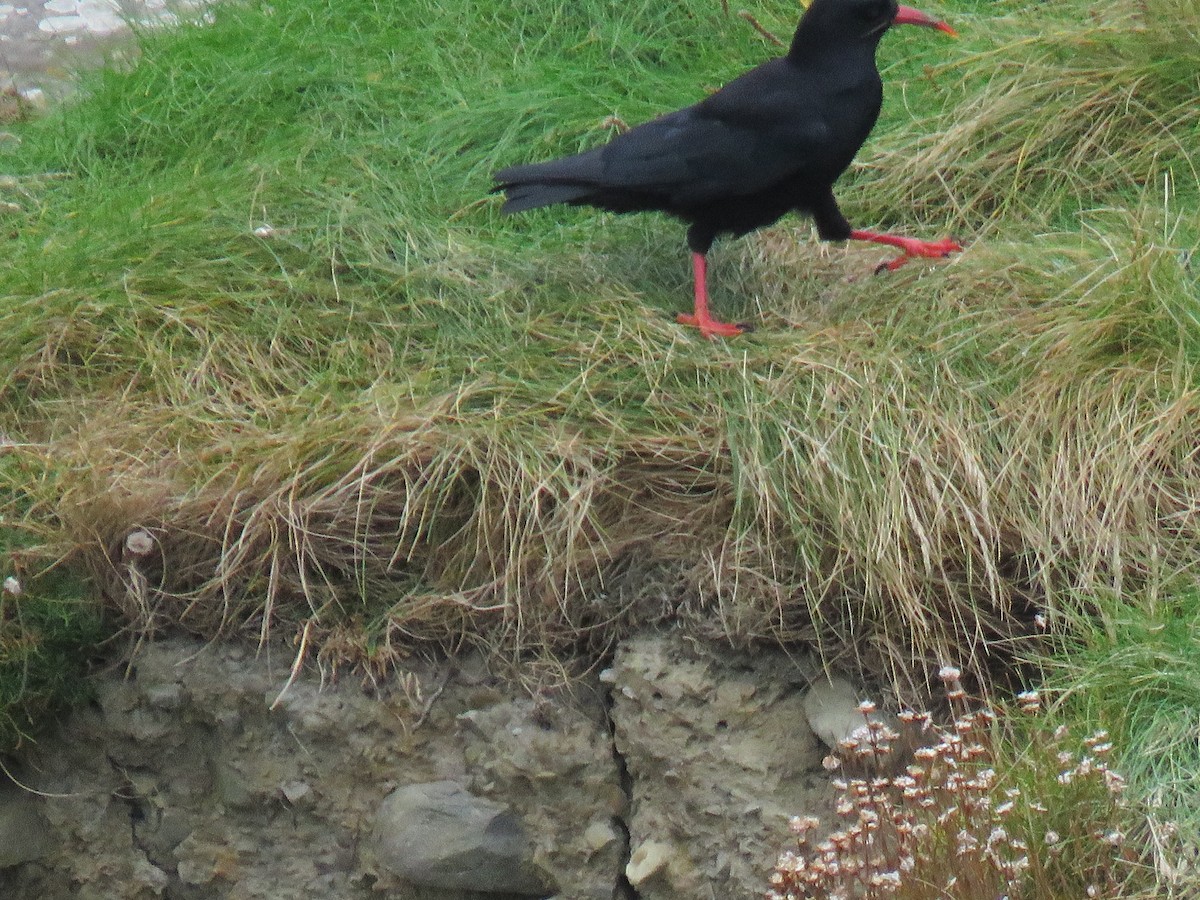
column 166, row 697
column 831, row 707
column 834, row 714
column 438, row 835
column 24, row 832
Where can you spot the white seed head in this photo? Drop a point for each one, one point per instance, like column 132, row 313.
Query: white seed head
column 890, row 881
column 139, row 543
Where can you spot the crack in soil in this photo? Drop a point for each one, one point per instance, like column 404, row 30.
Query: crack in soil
column 623, row 889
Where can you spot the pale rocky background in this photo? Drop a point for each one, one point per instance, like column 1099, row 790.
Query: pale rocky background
column 195, row 774
column 42, row 42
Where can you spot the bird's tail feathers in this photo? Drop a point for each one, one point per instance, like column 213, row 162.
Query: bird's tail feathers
column 566, row 180
column 520, row 196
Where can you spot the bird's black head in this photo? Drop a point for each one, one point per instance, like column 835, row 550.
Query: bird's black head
column 872, row 15
column 844, row 23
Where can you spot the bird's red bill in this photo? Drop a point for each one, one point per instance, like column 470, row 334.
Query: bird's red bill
column 906, row 15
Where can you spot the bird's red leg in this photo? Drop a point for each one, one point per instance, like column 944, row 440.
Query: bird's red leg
column 911, row 247
column 709, row 327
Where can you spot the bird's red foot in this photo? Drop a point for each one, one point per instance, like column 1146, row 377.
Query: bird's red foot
column 711, row 328
column 912, row 247
column 917, row 248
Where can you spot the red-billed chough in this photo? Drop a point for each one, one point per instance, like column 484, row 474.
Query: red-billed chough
column 769, row 142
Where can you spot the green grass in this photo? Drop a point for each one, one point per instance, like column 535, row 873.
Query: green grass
column 49, row 626
column 1128, row 664
column 257, row 304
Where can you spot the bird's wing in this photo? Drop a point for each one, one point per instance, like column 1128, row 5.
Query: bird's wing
column 757, row 131
column 695, row 156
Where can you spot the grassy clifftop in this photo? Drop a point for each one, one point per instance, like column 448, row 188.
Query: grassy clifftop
column 258, row 313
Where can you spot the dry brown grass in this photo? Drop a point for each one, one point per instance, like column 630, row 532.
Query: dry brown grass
column 907, row 473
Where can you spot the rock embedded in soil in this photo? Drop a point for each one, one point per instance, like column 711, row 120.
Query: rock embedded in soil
column 439, row 835
column 25, row 834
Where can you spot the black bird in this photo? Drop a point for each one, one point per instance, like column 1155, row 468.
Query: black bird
column 771, row 141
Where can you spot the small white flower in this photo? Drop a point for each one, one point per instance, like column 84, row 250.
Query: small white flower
column 886, row 879
column 949, row 673
column 12, row 586
column 802, row 824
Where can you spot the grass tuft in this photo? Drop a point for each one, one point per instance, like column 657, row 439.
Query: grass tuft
column 1127, row 663
column 1070, row 105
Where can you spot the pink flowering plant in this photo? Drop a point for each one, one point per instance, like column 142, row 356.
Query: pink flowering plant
column 972, row 817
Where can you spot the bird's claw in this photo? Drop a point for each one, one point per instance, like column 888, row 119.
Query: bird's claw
column 914, row 248
column 711, row 328
column 941, row 248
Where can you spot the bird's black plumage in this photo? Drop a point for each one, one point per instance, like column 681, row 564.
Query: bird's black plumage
column 772, row 141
